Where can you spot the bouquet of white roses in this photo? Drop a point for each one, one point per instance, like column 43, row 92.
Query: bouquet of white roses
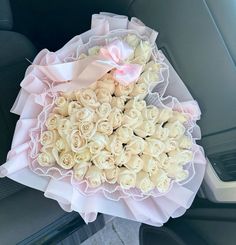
column 101, row 129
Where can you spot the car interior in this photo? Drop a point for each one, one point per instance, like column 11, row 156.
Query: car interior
column 199, row 40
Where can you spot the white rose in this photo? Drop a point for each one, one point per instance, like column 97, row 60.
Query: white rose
column 132, row 118
column 176, row 129
column 147, row 128
column 161, row 159
column 87, row 129
column 61, row 106
column 122, row 158
column 114, row 145
column 153, row 147
column 136, row 104
column 108, row 84
column 88, row 98
column 143, row 182
column 97, row 143
column 126, row 178
column 105, row 127
column 135, row 145
column 94, row 50
column 123, row 90
column 148, row 77
column 176, row 172
column 82, row 155
column 118, row 102
column 73, row 107
column 185, row 142
column 124, row 134
column 152, row 66
column 115, row 117
column 161, row 181
column 103, row 110
column 143, row 52
column 51, row 122
column 83, row 115
column 95, row 177
column 150, row 113
column 161, row 133
column 112, row 175
column 61, row 145
column 178, row 116
column 46, row 159
column 76, row 141
column 184, row 157
column 64, row 127
column 140, row 90
column 66, row 160
column 132, row 40
column 164, row 115
column 150, row 164
column 80, row 169
column 49, row 138
column 104, row 160
column 103, row 95
column 170, row 145
column 135, row 163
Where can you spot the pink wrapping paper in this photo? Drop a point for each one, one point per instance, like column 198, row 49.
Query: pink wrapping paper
column 55, row 69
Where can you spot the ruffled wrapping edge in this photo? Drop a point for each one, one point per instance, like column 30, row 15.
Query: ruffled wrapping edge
column 154, row 211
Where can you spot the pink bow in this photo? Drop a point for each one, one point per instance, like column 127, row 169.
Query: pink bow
column 115, row 54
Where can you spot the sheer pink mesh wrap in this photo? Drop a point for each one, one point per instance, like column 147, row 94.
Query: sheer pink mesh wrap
column 47, row 75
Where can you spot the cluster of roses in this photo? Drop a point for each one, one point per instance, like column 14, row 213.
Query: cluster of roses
column 107, row 133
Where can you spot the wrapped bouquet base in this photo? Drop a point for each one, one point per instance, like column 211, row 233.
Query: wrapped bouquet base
column 106, row 125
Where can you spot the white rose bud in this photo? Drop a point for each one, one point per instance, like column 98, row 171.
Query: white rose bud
column 124, row 134
column 49, row 138
column 153, row 147
column 150, row 164
column 135, row 163
column 135, row 145
column 126, row 178
column 152, row 66
column 184, row 157
column 108, row 84
column 88, row 98
column 61, row 106
column 82, row 115
column 76, row 141
column 161, row 159
column 80, row 169
column 185, row 142
column 94, row 50
column 122, row 158
column 97, row 143
column 132, row 40
column 161, row 133
column 147, row 128
column 66, row 160
column 150, row 113
column 73, row 107
column 161, row 181
column 62, row 145
column 119, row 102
column 140, row 90
column 103, row 95
column 176, row 129
column 135, row 103
column 132, row 118
column 104, row 160
column 105, row 127
column 103, row 110
column 114, row 145
column 170, row 145
column 82, row 155
column 178, row 116
column 176, row 172
column 148, row 77
column 115, row 117
column 51, row 122
column 95, row 177
column 123, row 90
column 143, row 52
column 46, row 159
column 164, row 115
column 143, row 182
column 87, row 129
column 112, row 175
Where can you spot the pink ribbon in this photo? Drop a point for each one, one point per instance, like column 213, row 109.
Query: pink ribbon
column 82, row 73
